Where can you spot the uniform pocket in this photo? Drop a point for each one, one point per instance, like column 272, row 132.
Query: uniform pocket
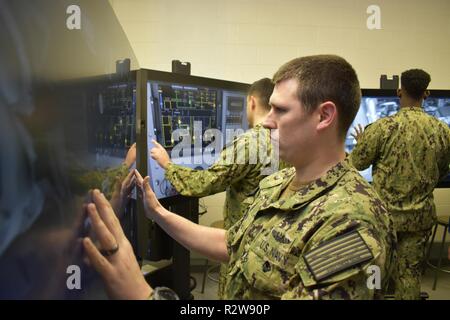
column 269, row 264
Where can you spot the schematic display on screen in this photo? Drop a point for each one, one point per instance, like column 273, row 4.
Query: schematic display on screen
column 182, row 114
column 182, row 107
column 111, row 120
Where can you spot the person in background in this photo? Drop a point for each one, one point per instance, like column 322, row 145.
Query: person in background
column 410, row 153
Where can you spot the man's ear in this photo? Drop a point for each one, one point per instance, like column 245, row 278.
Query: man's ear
column 399, row 93
column 252, row 102
column 327, row 112
column 426, row 94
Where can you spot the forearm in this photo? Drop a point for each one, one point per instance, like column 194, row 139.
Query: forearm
column 210, row 242
column 198, row 183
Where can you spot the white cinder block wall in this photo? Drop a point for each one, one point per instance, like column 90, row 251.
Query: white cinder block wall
column 244, row 40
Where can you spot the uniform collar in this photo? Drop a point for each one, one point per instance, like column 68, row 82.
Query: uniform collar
column 412, row 108
column 272, row 188
column 258, row 126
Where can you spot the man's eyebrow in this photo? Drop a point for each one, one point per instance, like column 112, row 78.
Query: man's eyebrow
column 274, row 105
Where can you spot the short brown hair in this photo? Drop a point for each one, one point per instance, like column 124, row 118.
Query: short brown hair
column 263, row 89
column 322, row 78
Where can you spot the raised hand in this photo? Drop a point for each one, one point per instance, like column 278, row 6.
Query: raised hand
column 151, row 203
column 114, row 260
column 122, row 193
column 358, row 132
column 160, row 155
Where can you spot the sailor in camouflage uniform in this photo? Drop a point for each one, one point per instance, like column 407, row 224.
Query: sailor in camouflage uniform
column 315, row 231
column 313, row 241
column 410, row 153
column 239, row 168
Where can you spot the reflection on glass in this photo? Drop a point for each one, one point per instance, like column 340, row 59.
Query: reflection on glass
column 67, row 125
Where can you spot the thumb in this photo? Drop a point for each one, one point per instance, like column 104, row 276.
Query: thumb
column 148, row 191
column 146, row 185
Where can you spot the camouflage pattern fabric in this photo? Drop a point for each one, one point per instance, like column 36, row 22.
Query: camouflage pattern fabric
column 238, row 170
column 410, row 152
column 105, row 180
column 408, row 269
column 270, row 245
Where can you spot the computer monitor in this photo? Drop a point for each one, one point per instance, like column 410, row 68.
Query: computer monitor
column 192, row 118
column 111, row 119
column 378, row 103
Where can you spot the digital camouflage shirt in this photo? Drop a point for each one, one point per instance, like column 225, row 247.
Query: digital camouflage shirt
column 322, row 242
column 108, row 180
column 238, row 170
column 410, row 152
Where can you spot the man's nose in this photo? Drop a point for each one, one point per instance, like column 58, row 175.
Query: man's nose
column 268, row 123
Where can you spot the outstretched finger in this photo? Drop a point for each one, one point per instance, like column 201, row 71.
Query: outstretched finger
column 100, row 263
column 148, row 189
column 139, row 178
column 129, row 180
column 146, row 185
column 105, row 237
column 130, row 185
column 156, row 143
column 107, row 215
